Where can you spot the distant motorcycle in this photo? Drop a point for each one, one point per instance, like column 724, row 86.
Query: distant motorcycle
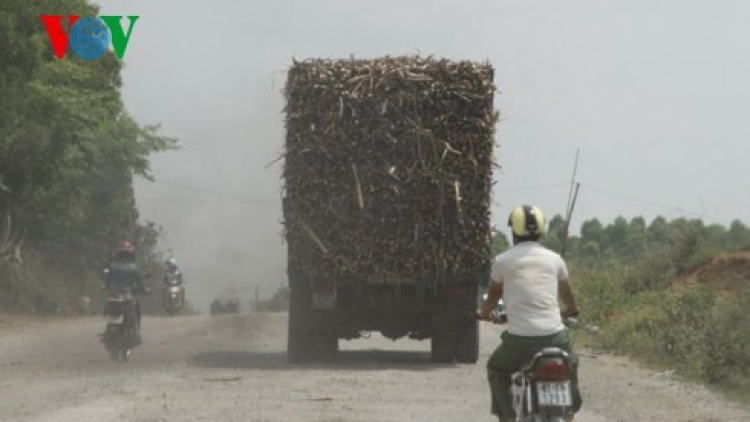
column 174, row 294
column 542, row 390
column 232, row 306
column 121, row 333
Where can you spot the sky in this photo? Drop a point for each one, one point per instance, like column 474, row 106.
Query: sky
column 653, row 95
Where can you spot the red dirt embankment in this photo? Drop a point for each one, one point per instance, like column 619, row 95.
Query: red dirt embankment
column 725, row 273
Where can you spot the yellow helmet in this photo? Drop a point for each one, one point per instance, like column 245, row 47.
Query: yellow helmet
column 527, row 221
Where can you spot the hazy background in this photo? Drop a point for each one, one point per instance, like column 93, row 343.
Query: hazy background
column 654, row 93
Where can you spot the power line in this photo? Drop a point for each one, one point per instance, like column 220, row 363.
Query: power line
column 204, row 191
column 533, row 187
column 677, row 210
column 211, row 201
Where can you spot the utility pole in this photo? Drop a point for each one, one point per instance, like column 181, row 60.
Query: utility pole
column 572, row 196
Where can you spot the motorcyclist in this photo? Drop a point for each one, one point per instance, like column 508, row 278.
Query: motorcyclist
column 122, row 274
column 529, row 278
column 172, row 271
column 173, row 277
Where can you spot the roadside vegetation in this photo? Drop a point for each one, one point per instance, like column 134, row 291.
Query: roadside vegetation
column 69, row 151
column 670, row 293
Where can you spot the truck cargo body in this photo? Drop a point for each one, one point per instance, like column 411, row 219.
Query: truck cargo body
column 386, row 208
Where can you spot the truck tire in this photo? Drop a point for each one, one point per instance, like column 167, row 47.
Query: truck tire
column 467, row 342
column 443, row 344
column 299, row 329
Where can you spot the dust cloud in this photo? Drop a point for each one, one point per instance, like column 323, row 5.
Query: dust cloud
column 217, row 199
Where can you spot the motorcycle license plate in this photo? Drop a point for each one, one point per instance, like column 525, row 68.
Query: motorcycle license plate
column 116, row 319
column 553, row 393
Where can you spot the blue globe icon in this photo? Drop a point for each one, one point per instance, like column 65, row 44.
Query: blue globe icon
column 89, row 38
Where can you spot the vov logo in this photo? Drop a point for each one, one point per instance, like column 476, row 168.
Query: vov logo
column 88, row 37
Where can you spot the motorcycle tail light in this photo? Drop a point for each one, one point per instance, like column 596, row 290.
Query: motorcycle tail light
column 552, row 370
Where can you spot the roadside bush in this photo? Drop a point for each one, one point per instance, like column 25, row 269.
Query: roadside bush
column 681, row 338
column 651, row 272
column 633, row 327
column 599, row 292
column 692, row 330
column 34, row 288
column 727, row 339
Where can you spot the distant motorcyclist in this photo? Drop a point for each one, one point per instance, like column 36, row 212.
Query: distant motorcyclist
column 529, row 278
column 173, row 280
column 172, row 273
column 122, row 275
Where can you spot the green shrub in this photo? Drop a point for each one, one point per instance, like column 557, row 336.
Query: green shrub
column 727, row 339
column 633, row 326
column 599, row 292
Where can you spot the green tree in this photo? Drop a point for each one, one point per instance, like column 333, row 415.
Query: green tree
column 739, row 236
column 593, row 231
column 637, row 236
column 499, row 243
column 590, row 252
column 658, row 229
column 68, row 147
column 617, row 235
column 554, row 237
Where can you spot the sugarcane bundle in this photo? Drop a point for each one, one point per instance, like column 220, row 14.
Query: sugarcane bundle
column 388, row 168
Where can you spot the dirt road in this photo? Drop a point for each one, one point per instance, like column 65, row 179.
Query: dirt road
column 233, row 368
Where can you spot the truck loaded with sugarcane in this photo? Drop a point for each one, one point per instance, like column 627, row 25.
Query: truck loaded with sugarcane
column 387, row 178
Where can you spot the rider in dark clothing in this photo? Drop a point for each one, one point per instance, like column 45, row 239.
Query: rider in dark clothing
column 122, row 274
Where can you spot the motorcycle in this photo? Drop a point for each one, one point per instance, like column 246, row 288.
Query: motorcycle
column 231, row 306
column 174, row 294
column 121, row 333
column 541, row 389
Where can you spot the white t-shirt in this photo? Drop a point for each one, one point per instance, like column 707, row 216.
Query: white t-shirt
column 530, row 274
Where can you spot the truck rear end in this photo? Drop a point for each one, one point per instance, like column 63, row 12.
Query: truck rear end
column 387, row 171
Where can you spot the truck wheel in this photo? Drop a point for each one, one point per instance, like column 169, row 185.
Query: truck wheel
column 299, row 340
column 443, row 344
column 467, row 342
